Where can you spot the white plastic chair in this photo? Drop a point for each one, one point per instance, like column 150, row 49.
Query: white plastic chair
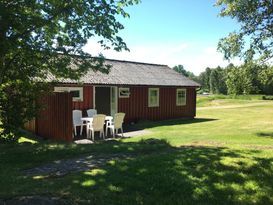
column 91, row 112
column 77, row 115
column 96, row 126
column 116, row 124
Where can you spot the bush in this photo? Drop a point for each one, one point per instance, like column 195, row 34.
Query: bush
column 268, row 97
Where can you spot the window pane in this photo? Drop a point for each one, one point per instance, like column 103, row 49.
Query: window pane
column 181, row 97
column 153, row 93
column 153, row 97
column 75, row 93
column 124, row 92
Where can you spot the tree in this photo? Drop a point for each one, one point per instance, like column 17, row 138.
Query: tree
column 265, row 77
column 217, row 80
column 204, row 79
column 183, row 71
column 233, row 82
column 243, row 79
column 213, row 81
column 251, row 71
column 38, row 37
column 254, row 40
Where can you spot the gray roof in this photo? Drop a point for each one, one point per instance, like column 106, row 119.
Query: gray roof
column 133, row 73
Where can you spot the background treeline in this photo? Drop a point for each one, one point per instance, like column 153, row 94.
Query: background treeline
column 249, row 78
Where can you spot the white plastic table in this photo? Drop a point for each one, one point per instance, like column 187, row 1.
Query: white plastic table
column 90, row 119
column 87, row 119
column 108, row 118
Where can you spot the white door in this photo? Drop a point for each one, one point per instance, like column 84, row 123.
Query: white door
column 114, row 100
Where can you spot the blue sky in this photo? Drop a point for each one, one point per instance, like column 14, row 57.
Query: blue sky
column 172, row 32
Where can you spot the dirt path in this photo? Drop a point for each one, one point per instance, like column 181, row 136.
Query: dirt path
column 59, row 168
column 236, row 106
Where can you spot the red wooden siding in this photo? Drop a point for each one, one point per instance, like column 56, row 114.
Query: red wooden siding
column 87, row 102
column 55, row 119
column 136, row 106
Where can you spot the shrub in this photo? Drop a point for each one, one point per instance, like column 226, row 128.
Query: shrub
column 268, row 97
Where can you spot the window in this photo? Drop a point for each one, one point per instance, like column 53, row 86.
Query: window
column 180, row 97
column 76, row 92
column 153, row 97
column 124, row 92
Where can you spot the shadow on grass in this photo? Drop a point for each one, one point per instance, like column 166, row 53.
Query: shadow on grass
column 184, row 175
column 265, row 134
column 157, row 174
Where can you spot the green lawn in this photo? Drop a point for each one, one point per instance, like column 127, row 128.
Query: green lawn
column 221, row 100
column 224, row 156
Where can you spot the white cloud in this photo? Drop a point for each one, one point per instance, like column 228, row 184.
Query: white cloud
column 207, row 57
column 194, row 57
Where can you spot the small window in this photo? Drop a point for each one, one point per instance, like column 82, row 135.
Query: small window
column 180, row 97
column 124, row 92
column 76, row 92
column 153, row 97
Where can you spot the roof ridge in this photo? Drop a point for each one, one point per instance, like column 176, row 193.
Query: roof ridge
column 135, row 62
column 123, row 61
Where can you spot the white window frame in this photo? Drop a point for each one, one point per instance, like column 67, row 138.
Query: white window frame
column 149, row 96
column 127, row 90
column 114, row 108
column 69, row 89
column 185, row 99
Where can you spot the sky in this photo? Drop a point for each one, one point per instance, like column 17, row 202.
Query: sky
column 172, row 32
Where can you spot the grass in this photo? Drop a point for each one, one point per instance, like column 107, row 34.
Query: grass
column 216, row 100
column 224, row 156
column 230, row 127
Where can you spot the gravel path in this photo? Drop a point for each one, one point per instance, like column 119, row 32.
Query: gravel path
column 33, row 200
column 60, row 168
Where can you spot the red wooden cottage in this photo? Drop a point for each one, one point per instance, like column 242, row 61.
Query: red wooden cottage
column 141, row 90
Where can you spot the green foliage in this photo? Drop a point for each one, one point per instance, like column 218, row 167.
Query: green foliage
column 41, row 37
column 204, row 79
column 236, row 82
column 249, row 78
column 217, row 80
column 18, row 104
column 213, row 80
column 266, row 79
column 245, row 79
column 255, row 18
column 231, row 46
column 183, row 71
column 267, row 97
